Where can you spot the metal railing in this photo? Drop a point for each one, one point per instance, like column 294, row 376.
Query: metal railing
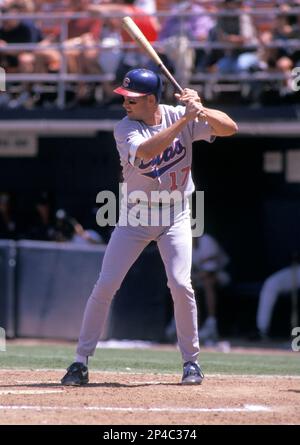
column 62, row 77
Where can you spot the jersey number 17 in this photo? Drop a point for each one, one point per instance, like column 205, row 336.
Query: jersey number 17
column 179, row 177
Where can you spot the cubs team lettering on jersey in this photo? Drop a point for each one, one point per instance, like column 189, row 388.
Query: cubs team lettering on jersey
column 177, row 150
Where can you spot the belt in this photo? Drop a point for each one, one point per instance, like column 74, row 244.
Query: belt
column 155, row 204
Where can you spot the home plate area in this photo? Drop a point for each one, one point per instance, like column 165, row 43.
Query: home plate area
column 36, row 397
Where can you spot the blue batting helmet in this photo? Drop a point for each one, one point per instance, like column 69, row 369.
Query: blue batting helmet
column 140, row 82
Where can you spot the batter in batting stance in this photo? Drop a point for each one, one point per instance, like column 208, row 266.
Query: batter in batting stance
column 155, row 146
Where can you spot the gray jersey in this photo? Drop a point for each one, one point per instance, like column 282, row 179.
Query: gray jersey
column 171, row 170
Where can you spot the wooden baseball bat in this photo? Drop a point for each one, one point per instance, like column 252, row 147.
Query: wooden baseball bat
column 137, row 35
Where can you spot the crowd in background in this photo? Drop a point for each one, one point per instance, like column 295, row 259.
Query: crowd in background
column 42, row 221
column 190, row 37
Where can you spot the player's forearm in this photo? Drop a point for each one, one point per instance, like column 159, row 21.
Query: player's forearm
column 160, row 141
column 221, row 123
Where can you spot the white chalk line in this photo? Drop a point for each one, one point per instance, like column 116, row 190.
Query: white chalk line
column 245, row 408
column 30, row 391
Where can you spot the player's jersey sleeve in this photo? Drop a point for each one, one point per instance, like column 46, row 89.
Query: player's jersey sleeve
column 128, row 139
column 201, row 131
column 197, row 130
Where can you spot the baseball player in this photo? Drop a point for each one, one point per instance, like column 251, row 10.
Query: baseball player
column 154, row 142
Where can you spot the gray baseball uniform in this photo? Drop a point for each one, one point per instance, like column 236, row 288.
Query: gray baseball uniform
column 171, row 170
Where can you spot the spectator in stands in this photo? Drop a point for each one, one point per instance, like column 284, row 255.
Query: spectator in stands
column 130, row 58
column 86, row 32
column 17, row 31
column 63, row 227
column 236, row 31
column 177, row 33
column 149, row 6
column 208, row 275
column 28, row 6
column 282, row 57
column 296, row 35
column 8, row 226
column 41, row 226
column 85, row 236
column 68, row 228
column 285, row 32
column 163, row 5
column 79, row 48
column 148, row 25
column 285, row 281
column 296, row 24
column 136, row 57
column 111, row 38
column 49, row 60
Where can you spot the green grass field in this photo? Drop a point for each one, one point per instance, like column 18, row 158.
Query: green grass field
column 149, row 360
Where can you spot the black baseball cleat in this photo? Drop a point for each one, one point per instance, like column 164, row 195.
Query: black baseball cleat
column 77, row 374
column 192, row 374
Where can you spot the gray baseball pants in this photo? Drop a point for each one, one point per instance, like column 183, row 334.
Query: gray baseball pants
column 125, row 245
